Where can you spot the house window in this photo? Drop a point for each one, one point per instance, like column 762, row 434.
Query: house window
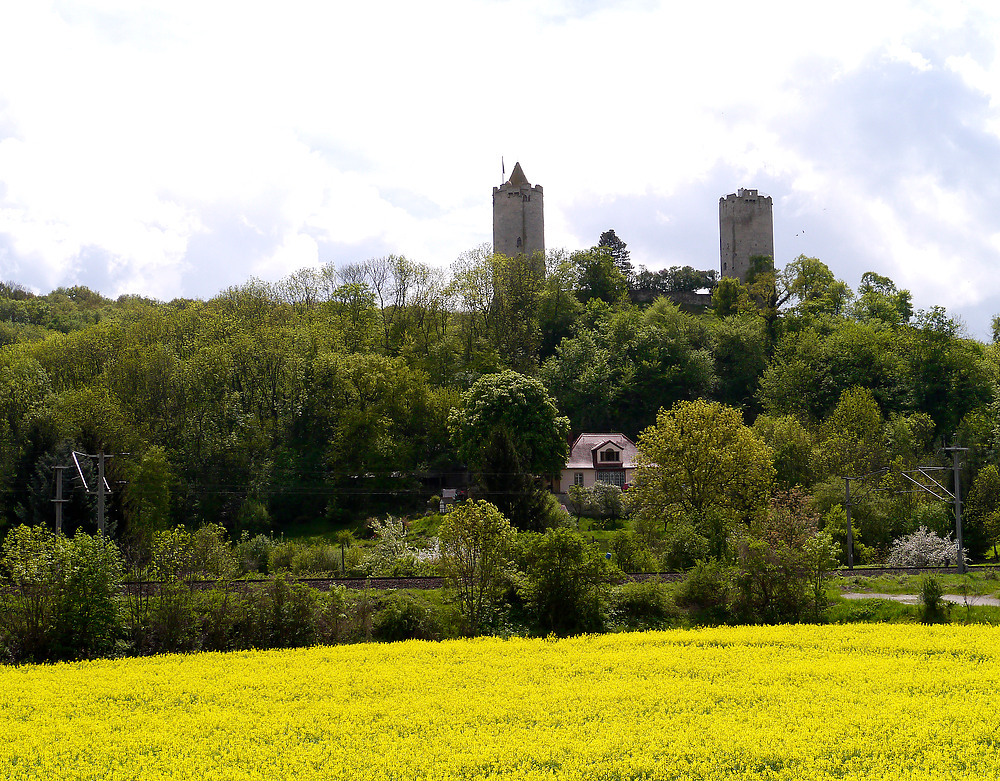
column 616, row 477
column 578, row 478
column 609, row 455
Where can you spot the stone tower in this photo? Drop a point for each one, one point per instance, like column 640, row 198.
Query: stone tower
column 518, row 224
column 745, row 229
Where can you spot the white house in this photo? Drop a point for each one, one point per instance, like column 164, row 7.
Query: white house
column 609, row 458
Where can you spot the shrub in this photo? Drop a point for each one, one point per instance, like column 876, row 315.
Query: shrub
column 683, row 546
column 931, row 595
column 475, row 543
column 60, row 595
column 706, row 591
column 644, row 605
column 607, row 500
column 252, row 553
column 221, row 614
column 566, row 581
column 204, row 554
column 630, row 555
column 403, row 617
column 820, row 558
column 173, row 621
column 922, row 548
column 305, row 557
column 771, row 582
column 282, row 614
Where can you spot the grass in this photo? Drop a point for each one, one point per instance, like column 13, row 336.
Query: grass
column 984, row 582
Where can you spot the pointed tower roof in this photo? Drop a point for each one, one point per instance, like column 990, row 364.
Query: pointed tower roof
column 517, row 177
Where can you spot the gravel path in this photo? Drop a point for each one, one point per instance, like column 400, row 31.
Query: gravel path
column 914, row 599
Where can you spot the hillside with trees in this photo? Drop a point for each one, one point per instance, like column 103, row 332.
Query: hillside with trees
column 335, row 394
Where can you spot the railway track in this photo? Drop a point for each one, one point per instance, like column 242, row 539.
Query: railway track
column 388, row 584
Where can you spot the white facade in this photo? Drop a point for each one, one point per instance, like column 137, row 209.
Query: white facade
column 609, row 458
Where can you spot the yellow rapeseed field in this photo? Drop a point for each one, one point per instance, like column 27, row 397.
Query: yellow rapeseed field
column 796, row 702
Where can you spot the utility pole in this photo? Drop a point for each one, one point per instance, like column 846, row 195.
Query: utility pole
column 100, row 492
column 59, row 501
column 850, row 530
column 102, row 488
column 957, row 497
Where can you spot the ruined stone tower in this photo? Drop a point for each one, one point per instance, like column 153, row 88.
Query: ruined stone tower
column 746, row 229
column 518, row 224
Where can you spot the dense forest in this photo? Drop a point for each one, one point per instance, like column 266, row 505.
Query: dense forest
column 327, row 395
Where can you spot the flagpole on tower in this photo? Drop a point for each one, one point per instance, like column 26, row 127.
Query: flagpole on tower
column 503, row 171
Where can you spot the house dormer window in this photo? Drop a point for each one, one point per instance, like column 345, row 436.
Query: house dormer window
column 610, row 455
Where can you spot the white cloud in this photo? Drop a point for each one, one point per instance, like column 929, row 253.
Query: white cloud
column 139, row 131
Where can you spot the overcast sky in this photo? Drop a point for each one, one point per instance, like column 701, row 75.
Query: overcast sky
column 174, row 148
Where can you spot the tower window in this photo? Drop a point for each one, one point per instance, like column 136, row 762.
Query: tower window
column 519, row 241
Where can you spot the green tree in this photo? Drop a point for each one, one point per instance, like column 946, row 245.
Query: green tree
column 567, row 582
column 700, row 458
column 810, row 283
column 345, row 538
column 619, row 253
column 558, row 307
column 598, row 276
column 853, row 441
column 517, row 284
column 878, row 299
column 509, row 432
column 792, row 445
column 147, row 496
column 739, row 348
column 731, row 298
column 475, row 539
column 982, row 509
column 519, row 405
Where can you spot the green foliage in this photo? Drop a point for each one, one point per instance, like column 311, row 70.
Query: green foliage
column 147, row 496
column 792, row 445
column 810, row 283
column 629, row 554
column 770, row 582
column 475, row 546
column 566, row 582
column 706, row 591
column 834, row 522
column 326, row 396
column 730, row 298
column 404, row 616
column 853, row 442
column 820, row 559
column 59, row 595
column 509, row 431
column 878, row 299
column 982, row 511
column 740, row 350
column 393, row 555
column 253, row 553
column 931, row 593
column 598, row 276
column 643, row 605
column 700, row 456
column 304, row 558
column 683, row 543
